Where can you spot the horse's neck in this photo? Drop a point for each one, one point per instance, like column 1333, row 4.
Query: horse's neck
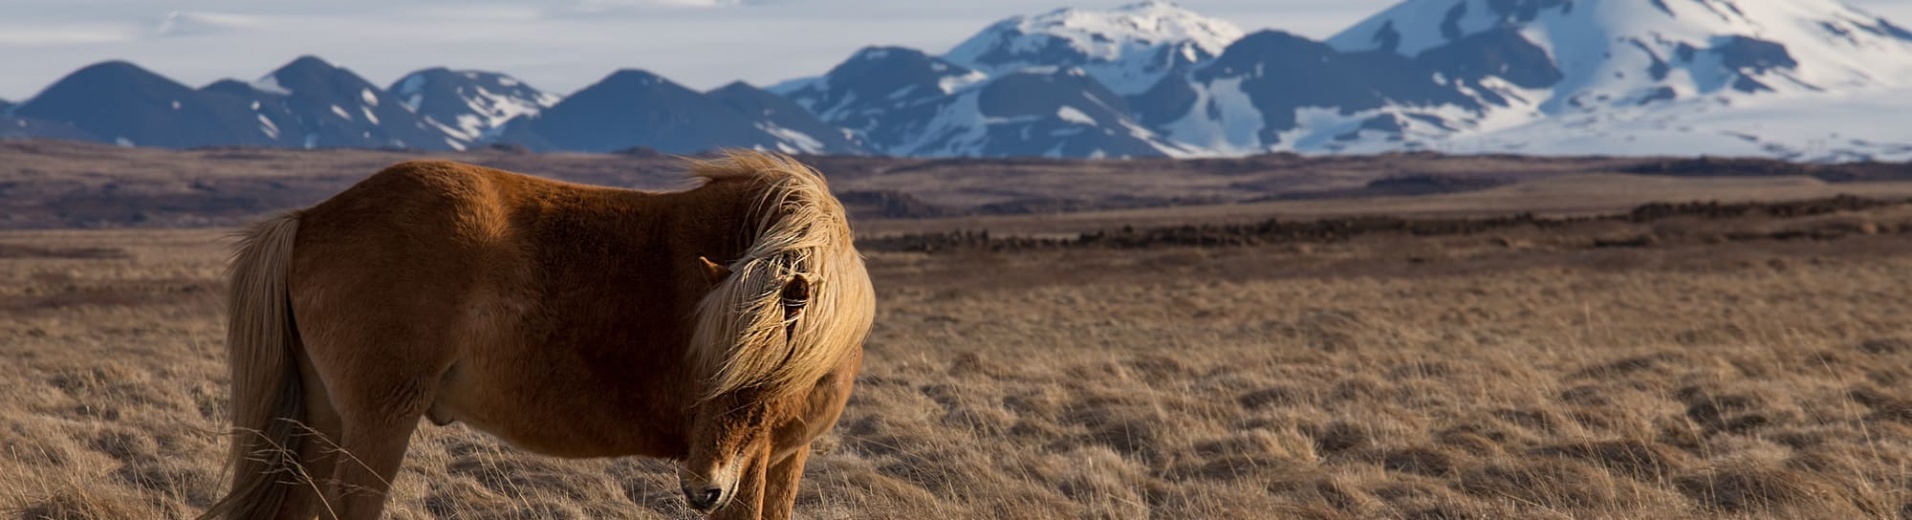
column 653, row 238
column 627, row 255
column 711, row 221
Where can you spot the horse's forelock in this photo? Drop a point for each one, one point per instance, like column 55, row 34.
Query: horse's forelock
column 800, row 230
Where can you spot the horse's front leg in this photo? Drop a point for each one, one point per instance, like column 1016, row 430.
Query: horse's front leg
column 780, row 493
column 748, row 504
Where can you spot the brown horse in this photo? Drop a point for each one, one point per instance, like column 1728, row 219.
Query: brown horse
column 721, row 327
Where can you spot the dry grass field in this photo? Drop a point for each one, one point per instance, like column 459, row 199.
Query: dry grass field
column 1523, row 374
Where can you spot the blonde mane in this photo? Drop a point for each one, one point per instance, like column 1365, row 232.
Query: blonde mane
column 801, row 229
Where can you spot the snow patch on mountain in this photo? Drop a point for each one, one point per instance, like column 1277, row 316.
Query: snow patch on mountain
column 469, row 106
column 792, row 141
column 1222, row 120
column 1798, row 127
column 270, row 84
column 1128, row 48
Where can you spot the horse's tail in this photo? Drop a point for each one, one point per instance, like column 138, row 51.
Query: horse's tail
column 268, row 399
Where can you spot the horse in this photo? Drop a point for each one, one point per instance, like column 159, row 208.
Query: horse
column 721, row 327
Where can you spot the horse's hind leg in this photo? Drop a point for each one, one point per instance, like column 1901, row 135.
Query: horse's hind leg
column 318, row 449
column 377, row 421
column 379, row 389
column 380, row 365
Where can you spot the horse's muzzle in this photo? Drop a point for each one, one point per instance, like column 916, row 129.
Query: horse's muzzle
column 705, row 499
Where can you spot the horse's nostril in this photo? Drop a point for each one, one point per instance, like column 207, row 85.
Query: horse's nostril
column 703, row 500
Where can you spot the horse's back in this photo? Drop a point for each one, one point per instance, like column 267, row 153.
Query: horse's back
column 387, row 275
column 415, row 226
column 419, row 200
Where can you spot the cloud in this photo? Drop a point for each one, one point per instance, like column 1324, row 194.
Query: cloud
column 27, row 36
column 613, row 5
column 179, row 23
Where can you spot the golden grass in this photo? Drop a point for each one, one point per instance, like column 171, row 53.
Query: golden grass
column 1338, row 381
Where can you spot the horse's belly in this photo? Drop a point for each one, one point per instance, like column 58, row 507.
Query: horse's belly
column 525, row 435
column 533, row 427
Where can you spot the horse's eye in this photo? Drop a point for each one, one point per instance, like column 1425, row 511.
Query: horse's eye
column 795, row 297
column 796, row 292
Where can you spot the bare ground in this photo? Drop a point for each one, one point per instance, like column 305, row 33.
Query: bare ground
column 1523, row 374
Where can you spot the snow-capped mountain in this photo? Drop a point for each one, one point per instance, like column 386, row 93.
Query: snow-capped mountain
column 1277, row 91
column 1047, row 85
column 784, row 119
column 339, row 109
column 1127, row 49
column 1552, row 76
column 307, row 103
column 887, row 96
column 1620, row 53
column 632, row 108
column 1664, row 75
column 468, row 106
column 310, row 103
column 269, row 116
column 904, row 102
column 1044, row 113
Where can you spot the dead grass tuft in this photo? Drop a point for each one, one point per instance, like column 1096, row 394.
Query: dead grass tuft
column 77, row 503
column 1340, row 437
column 1548, row 484
column 1886, row 346
column 1644, row 460
column 1422, row 461
column 1745, row 488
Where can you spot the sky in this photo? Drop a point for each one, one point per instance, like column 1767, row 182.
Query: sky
column 555, row 45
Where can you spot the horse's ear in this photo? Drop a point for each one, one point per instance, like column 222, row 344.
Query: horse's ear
column 713, row 272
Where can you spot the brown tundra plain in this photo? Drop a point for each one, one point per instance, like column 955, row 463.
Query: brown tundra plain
column 1704, row 361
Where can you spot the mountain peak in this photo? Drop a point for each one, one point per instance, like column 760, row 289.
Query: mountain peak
column 305, row 64
column 1128, row 48
column 112, row 75
column 887, row 52
column 304, row 69
column 115, row 72
column 422, row 73
column 634, row 78
column 735, row 86
column 116, row 67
